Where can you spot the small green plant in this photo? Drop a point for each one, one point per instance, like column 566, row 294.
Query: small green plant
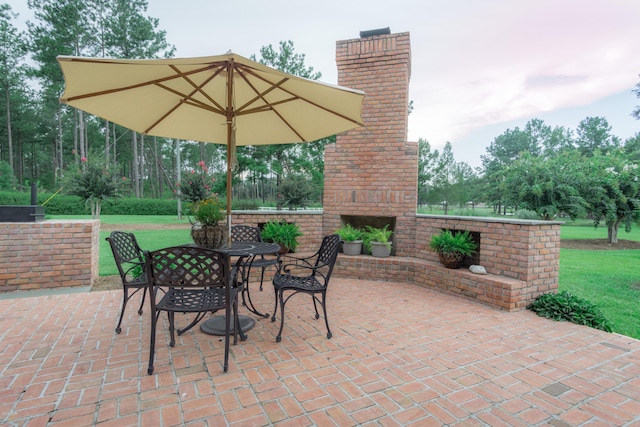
column 566, row 306
column 373, row 234
column 93, row 183
column 283, row 233
column 448, row 242
column 208, row 211
column 349, row 233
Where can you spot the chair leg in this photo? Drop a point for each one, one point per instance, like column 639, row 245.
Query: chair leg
column 152, row 345
column 315, row 306
column 171, row 316
column 125, row 298
column 262, row 277
column 326, row 319
column 144, row 294
column 275, row 306
column 282, row 303
column 227, row 336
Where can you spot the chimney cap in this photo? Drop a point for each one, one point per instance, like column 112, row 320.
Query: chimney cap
column 378, row 32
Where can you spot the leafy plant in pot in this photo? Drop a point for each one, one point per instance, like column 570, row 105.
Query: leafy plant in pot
column 206, row 230
column 352, row 237
column 283, row 233
column 377, row 241
column 452, row 247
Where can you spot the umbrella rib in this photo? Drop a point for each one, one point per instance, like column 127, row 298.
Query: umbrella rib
column 268, row 106
column 294, row 97
column 187, row 98
column 198, row 88
column 134, row 86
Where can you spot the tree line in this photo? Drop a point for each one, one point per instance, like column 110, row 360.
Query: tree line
column 549, row 171
column 43, row 141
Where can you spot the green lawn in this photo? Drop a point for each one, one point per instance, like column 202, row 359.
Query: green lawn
column 607, row 278
column 147, row 239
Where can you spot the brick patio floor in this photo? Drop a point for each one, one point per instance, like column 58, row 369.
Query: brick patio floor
column 400, row 355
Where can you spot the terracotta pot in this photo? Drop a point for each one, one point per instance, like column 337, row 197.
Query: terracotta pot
column 209, row 236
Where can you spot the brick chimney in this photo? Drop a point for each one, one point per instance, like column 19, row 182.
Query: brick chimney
column 371, row 174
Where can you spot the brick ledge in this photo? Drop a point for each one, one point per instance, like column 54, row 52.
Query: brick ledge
column 504, row 293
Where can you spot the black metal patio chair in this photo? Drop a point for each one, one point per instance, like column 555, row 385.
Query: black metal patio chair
column 193, row 280
column 309, row 275
column 129, row 259
column 247, row 233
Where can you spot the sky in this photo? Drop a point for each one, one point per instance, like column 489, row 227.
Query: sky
column 479, row 67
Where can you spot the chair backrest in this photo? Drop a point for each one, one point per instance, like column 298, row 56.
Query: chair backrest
column 127, row 254
column 245, row 233
column 327, row 254
column 187, row 266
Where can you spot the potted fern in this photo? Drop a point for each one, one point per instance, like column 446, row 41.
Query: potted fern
column 452, row 247
column 207, row 230
column 352, row 237
column 283, row 233
column 378, row 241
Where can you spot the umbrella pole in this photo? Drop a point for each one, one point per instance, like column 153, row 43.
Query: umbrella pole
column 229, row 181
column 230, row 142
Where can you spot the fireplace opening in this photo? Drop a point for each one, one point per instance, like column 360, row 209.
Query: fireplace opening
column 361, row 221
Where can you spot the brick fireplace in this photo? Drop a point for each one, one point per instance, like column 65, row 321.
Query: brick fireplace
column 371, row 174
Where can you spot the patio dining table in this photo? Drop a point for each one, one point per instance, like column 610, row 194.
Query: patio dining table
column 247, row 252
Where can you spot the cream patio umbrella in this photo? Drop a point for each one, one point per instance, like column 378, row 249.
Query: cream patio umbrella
column 226, row 99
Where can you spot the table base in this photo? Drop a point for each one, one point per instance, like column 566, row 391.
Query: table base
column 217, row 324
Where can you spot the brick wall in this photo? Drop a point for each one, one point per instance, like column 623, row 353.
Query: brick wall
column 48, row 254
column 373, row 170
column 310, row 223
column 521, row 258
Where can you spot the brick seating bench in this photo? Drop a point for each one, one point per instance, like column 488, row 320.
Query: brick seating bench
column 501, row 292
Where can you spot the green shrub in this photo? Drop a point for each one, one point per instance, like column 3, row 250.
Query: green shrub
column 566, row 306
column 283, row 233
column 244, row 204
column 526, row 214
column 374, row 234
column 349, row 233
column 63, row 204
column 468, row 212
column 133, row 206
column 448, row 242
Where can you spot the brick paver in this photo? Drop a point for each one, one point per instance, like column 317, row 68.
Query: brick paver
column 400, row 355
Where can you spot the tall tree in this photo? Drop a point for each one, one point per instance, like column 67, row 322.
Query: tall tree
column 547, row 186
column 12, row 70
column 283, row 156
column 504, row 150
column 128, row 33
column 62, row 27
column 612, row 191
column 444, row 175
column 427, row 161
column 594, row 134
column 636, row 111
column 632, row 148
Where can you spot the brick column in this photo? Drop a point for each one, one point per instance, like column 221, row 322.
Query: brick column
column 373, row 170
